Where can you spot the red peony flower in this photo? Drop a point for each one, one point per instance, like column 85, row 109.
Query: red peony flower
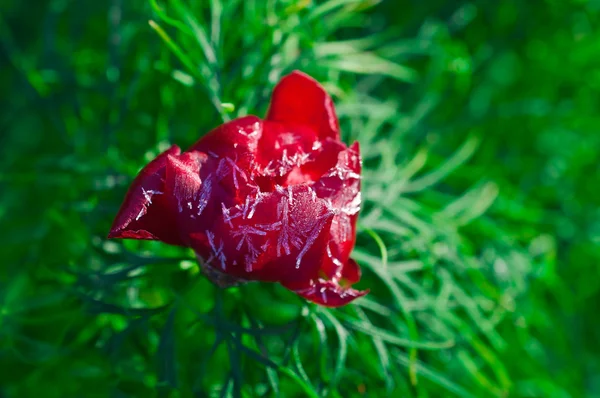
column 268, row 200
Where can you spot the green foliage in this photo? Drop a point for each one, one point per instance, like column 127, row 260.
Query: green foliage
column 478, row 236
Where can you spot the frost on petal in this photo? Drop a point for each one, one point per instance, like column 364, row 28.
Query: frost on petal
column 234, row 138
column 322, row 158
column 340, row 188
column 234, row 177
column 284, row 146
column 303, row 235
column 145, row 213
column 329, row 293
column 273, row 236
column 298, row 99
column 341, row 182
column 217, row 255
column 243, row 233
column 189, row 188
column 183, row 181
column 232, row 152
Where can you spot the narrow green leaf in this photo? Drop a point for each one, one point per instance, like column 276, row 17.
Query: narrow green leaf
column 433, row 376
column 343, row 335
column 183, row 78
column 255, row 355
column 330, row 5
column 298, row 362
column 382, row 351
column 390, row 338
column 216, row 13
column 463, row 154
column 174, row 47
column 99, row 307
column 381, row 245
column 323, row 346
column 308, row 389
column 168, row 20
column 368, row 63
column 166, row 358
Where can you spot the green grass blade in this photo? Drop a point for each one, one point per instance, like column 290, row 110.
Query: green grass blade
column 433, row 376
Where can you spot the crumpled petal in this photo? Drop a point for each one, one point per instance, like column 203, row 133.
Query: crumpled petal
column 282, row 147
column 303, row 236
column 299, row 100
column 322, row 157
column 278, row 236
column 190, row 190
column 145, row 212
column 341, row 187
column 232, row 139
column 350, row 273
column 329, row 294
column 232, row 149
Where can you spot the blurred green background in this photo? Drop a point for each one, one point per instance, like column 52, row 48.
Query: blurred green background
column 480, row 231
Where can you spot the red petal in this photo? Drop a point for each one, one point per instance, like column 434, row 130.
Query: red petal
column 183, row 180
column 145, row 213
column 234, row 138
column 330, row 294
column 322, row 158
column 350, row 273
column 232, row 150
column 301, row 240
column 281, row 154
column 298, row 99
column 191, row 192
column 341, row 185
column 281, row 142
column 341, row 182
column 347, row 271
column 277, row 236
column 240, row 235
